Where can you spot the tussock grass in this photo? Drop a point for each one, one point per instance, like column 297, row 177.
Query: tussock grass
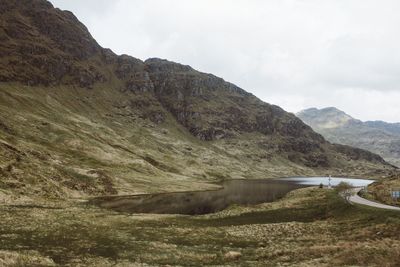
column 309, row 226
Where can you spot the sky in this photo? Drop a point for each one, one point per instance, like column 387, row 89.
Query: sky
column 293, row 53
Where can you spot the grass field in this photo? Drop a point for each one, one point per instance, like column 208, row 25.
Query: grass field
column 308, row 227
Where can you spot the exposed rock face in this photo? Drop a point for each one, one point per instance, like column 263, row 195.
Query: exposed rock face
column 43, row 45
column 133, row 72
column 337, row 126
column 212, row 109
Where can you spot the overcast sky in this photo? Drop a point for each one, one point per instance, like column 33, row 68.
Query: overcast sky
column 293, row 53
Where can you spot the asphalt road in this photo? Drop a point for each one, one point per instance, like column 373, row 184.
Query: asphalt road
column 359, row 200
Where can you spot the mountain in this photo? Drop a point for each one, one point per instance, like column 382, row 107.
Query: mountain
column 336, row 126
column 78, row 120
column 393, row 128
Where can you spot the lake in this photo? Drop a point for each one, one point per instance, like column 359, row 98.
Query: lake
column 240, row 192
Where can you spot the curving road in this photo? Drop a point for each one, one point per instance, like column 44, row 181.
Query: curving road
column 359, row 200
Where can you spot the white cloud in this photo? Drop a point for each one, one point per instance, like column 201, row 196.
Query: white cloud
column 294, row 53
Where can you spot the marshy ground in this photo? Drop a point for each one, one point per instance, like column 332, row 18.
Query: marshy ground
column 309, row 226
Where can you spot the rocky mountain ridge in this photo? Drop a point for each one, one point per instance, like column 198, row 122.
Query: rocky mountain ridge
column 54, row 48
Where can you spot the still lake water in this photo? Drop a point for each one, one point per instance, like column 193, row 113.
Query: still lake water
column 241, row 192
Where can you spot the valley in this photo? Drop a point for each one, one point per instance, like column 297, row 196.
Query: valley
column 79, row 123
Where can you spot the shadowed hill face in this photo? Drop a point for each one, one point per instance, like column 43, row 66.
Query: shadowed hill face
column 78, row 119
column 43, row 45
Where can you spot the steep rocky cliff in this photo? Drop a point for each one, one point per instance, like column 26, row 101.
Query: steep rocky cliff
column 41, row 45
column 77, row 119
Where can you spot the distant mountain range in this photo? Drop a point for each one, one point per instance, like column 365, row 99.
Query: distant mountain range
column 335, row 125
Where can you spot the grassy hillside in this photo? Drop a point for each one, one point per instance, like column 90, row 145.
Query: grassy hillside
column 67, row 141
column 381, row 190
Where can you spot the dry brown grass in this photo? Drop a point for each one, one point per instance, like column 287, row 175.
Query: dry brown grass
column 310, row 227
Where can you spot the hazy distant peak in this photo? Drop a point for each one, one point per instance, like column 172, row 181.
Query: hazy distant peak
column 325, row 118
column 335, row 125
column 327, row 110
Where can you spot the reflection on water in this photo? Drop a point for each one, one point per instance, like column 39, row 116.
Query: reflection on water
column 243, row 192
column 325, row 181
